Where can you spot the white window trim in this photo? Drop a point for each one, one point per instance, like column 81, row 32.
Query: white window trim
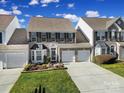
column 35, row 36
column 35, row 56
column 51, row 53
column 100, row 35
column 105, row 48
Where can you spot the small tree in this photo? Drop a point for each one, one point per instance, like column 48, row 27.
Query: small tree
column 46, row 59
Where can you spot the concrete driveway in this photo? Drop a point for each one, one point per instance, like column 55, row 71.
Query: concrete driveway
column 7, row 79
column 91, row 78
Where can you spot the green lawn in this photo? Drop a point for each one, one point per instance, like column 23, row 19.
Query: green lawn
column 117, row 68
column 56, row 81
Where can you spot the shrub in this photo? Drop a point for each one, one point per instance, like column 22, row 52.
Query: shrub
column 28, row 67
column 104, row 59
column 58, row 65
column 46, row 59
column 44, row 66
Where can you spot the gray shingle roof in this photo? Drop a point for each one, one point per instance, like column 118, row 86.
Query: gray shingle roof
column 102, row 44
column 18, row 37
column 99, row 24
column 5, row 20
column 50, row 25
column 75, row 45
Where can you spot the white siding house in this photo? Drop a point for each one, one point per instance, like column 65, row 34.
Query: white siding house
column 106, row 35
column 11, row 28
column 14, row 46
column 60, row 40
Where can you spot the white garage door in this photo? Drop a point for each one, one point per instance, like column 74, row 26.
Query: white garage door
column 122, row 54
column 68, row 55
column 83, row 55
column 15, row 60
column 1, row 60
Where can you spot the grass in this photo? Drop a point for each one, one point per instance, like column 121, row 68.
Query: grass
column 117, row 68
column 56, row 81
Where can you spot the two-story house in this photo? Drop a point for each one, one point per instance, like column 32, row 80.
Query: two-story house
column 56, row 38
column 13, row 43
column 106, row 35
column 53, row 37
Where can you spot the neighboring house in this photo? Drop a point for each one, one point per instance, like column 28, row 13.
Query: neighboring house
column 56, row 38
column 106, row 35
column 13, row 43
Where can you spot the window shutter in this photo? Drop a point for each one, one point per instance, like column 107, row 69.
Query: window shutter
column 95, row 35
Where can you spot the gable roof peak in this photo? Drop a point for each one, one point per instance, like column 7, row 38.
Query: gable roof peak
column 100, row 23
column 5, row 20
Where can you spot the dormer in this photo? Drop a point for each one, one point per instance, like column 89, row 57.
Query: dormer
column 116, row 24
column 8, row 24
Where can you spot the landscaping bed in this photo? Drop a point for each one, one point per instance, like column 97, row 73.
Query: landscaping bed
column 55, row 81
column 43, row 67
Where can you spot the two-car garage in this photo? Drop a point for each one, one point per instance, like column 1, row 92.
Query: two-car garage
column 15, row 60
column 13, row 56
column 75, row 55
column 75, row 52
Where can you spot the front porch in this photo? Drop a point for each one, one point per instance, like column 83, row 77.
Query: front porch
column 103, row 47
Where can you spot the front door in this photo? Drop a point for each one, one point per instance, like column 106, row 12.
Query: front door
column 53, row 55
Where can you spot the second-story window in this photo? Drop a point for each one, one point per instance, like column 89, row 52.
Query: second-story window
column 43, row 37
column 70, row 36
column 38, row 36
column 113, row 37
column 61, row 36
column 33, row 36
column 100, row 36
column 53, row 36
column 97, row 36
column 48, row 36
column 57, row 37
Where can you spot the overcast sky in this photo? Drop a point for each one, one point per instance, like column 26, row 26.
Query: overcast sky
column 71, row 9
